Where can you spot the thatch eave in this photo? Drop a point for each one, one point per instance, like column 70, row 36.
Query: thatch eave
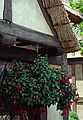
column 61, row 23
column 73, row 15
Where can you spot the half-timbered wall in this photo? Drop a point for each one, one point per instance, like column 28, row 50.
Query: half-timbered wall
column 28, row 13
column 75, row 68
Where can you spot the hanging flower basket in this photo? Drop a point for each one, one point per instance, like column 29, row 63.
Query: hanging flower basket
column 37, row 84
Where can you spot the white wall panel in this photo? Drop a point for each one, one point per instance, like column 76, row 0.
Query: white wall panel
column 28, row 13
column 1, row 8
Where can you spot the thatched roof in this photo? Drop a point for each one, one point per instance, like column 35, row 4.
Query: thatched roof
column 74, row 15
column 61, row 23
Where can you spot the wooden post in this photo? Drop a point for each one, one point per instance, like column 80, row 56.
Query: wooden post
column 64, row 63
column 64, row 66
column 7, row 13
column 74, row 104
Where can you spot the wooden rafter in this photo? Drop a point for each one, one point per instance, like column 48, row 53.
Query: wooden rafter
column 28, row 55
column 12, row 53
column 24, row 34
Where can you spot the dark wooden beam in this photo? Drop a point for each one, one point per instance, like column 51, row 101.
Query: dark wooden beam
column 23, row 44
column 25, row 34
column 50, row 51
column 55, row 60
column 73, row 61
column 12, row 53
column 7, row 12
column 28, row 55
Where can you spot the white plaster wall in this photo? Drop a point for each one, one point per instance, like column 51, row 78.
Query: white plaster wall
column 27, row 13
column 53, row 114
column 79, row 85
column 1, row 8
column 80, row 111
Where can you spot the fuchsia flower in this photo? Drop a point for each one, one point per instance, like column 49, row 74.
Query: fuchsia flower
column 73, row 87
column 76, row 99
column 66, row 108
column 62, row 79
column 18, row 87
column 12, row 97
column 63, row 91
column 67, row 80
column 77, row 94
column 14, row 101
column 34, row 97
column 64, row 113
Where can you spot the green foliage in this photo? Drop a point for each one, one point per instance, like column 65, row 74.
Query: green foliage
column 79, row 27
column 73, row 4
column 77, row 5
column 81, row 49
column 73, row 116
column 36, row 84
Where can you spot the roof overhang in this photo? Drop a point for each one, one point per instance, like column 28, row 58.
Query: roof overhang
column 62, row 26
column 73, row 15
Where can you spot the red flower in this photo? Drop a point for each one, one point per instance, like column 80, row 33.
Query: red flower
column 68, row 107
column 76, row 99
column 12, row 97
column 67, row 81
column 62, row 79
column 18, row 87
column 73, row 87
column 77, row 94
column 63, row 89
column 34, row 97
column 14, row 102
column 64, row 112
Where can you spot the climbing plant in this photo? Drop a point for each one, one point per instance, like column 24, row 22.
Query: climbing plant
column 35, row 84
